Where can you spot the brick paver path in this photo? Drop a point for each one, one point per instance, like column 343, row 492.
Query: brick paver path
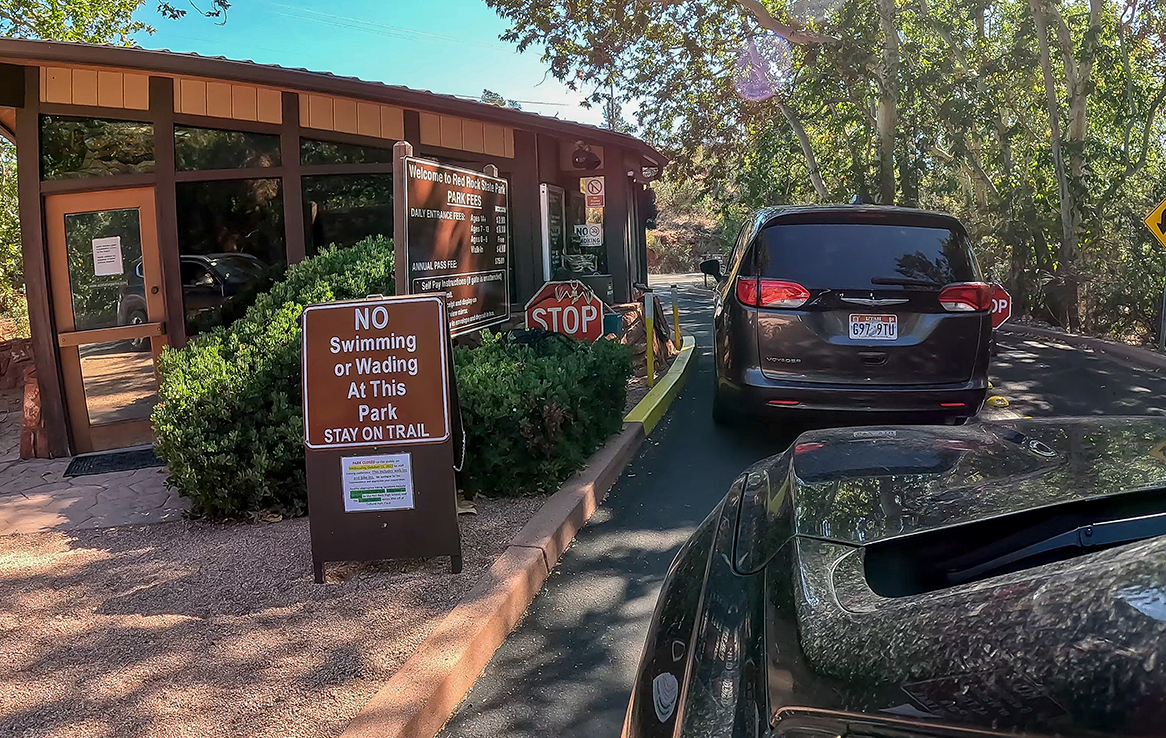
column 35, row 496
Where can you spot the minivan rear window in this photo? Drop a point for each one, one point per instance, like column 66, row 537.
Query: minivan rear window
column 847, row 256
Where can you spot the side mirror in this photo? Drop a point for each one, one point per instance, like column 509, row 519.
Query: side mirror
column 711, row 267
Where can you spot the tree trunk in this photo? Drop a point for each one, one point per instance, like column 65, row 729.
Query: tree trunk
column 807, row 149
column 886, row 117
column 1066, row 295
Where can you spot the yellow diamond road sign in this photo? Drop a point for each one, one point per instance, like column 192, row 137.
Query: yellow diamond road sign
column 1156, row 222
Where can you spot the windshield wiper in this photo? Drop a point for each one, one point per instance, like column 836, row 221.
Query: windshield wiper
column 905, row 282
column 1108, row 533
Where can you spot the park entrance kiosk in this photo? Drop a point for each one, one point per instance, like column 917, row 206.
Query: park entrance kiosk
column 160, row 192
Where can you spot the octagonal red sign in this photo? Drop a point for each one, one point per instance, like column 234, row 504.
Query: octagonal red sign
column 570, row 308
column 1001, row 305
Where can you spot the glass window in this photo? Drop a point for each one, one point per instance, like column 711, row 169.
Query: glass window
column 211, row 148
column 118, row 380
column 585, row 254
column 343, row 209
column 105, row 268
column 850, row 255
column 232, row 230
column 72, row 148
column 330, row 152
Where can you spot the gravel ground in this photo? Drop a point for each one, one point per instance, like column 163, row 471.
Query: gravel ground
column 211, row 629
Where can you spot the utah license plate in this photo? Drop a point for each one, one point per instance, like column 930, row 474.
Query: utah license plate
column 874, row 327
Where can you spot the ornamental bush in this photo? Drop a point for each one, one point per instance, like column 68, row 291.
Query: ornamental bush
column 535, row 406
column 229, row 421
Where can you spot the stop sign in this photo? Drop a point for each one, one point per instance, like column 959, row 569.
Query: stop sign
column 570, row 308
column 1001, row 305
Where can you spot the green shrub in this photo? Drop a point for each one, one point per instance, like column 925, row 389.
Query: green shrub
column 229, row 421
column 229, row 418
column 534, row 413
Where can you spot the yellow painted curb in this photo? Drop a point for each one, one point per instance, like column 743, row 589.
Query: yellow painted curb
column 649, row 410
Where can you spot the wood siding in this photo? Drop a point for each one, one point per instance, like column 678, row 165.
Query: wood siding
column 341, row 115
column 98, row 88
column 462, row 134
column 230, row 100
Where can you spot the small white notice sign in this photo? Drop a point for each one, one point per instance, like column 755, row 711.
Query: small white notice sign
column 107, row 256
column 372, row 483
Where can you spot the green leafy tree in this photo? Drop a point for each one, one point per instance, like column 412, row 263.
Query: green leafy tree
column 1038, row 122
column 89, row 21
column 493, row 98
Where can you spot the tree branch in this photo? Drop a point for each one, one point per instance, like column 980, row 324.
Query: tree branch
column 807, row 149
column 793, row 34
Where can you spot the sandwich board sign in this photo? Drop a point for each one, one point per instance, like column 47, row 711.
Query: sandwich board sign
column 378, row 433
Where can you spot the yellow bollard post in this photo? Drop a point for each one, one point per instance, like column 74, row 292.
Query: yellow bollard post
column 675, row 318
column 650, row 336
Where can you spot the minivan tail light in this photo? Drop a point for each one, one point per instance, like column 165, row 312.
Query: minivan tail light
column 747, row 291
column 771, row 293
column 966, row 297
column 778, row 294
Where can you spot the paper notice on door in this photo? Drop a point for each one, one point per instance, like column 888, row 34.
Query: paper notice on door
column 373, row 483
column 107, row 256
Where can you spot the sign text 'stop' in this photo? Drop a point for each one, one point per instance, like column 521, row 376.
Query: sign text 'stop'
column 376, row 373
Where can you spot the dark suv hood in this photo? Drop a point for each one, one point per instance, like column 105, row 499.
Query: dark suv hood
column 1070, row 647
column 863, row 485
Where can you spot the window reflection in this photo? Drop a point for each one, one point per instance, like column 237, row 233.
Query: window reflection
column 72, row 148
column 104, row 248
column 330, row 152
column 119, row 381
column 341, row 210
column 211, row 148
column 231, row 246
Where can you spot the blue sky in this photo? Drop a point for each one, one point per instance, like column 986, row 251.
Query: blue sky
column 447, row 46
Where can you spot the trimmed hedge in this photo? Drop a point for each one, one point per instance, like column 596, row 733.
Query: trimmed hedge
column 535, row 408
column 229, row 421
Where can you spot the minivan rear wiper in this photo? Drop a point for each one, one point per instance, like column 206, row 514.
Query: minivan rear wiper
column 1095, row 535
column 905, row 282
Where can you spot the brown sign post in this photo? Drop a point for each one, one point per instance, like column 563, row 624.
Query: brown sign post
column 452, row 235
column 378, row 434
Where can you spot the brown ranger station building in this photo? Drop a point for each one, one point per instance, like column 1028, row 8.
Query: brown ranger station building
column 159, row 192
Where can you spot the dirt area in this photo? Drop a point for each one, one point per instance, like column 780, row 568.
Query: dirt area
column 209, row 629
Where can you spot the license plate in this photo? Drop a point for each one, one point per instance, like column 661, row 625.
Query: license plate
column 874, row 327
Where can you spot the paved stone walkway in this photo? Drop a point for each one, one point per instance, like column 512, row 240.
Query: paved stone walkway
column 35, row 496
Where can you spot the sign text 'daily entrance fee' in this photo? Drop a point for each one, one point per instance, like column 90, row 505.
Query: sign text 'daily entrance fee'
column 375, row 372
column 457, row 241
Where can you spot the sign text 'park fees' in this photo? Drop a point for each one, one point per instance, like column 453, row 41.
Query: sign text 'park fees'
column 376, row 372
column 457, row 241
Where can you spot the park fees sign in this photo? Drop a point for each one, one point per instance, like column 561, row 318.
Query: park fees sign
column 376, row 372
column 455, row 239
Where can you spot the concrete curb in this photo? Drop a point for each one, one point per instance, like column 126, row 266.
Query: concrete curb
column 425, row 691
column 649, row 410
column 1143, row 357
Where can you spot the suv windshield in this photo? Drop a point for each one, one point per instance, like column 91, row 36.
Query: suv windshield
column 847, row 256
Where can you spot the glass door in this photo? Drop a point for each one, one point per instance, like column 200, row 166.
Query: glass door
column 109, row 307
